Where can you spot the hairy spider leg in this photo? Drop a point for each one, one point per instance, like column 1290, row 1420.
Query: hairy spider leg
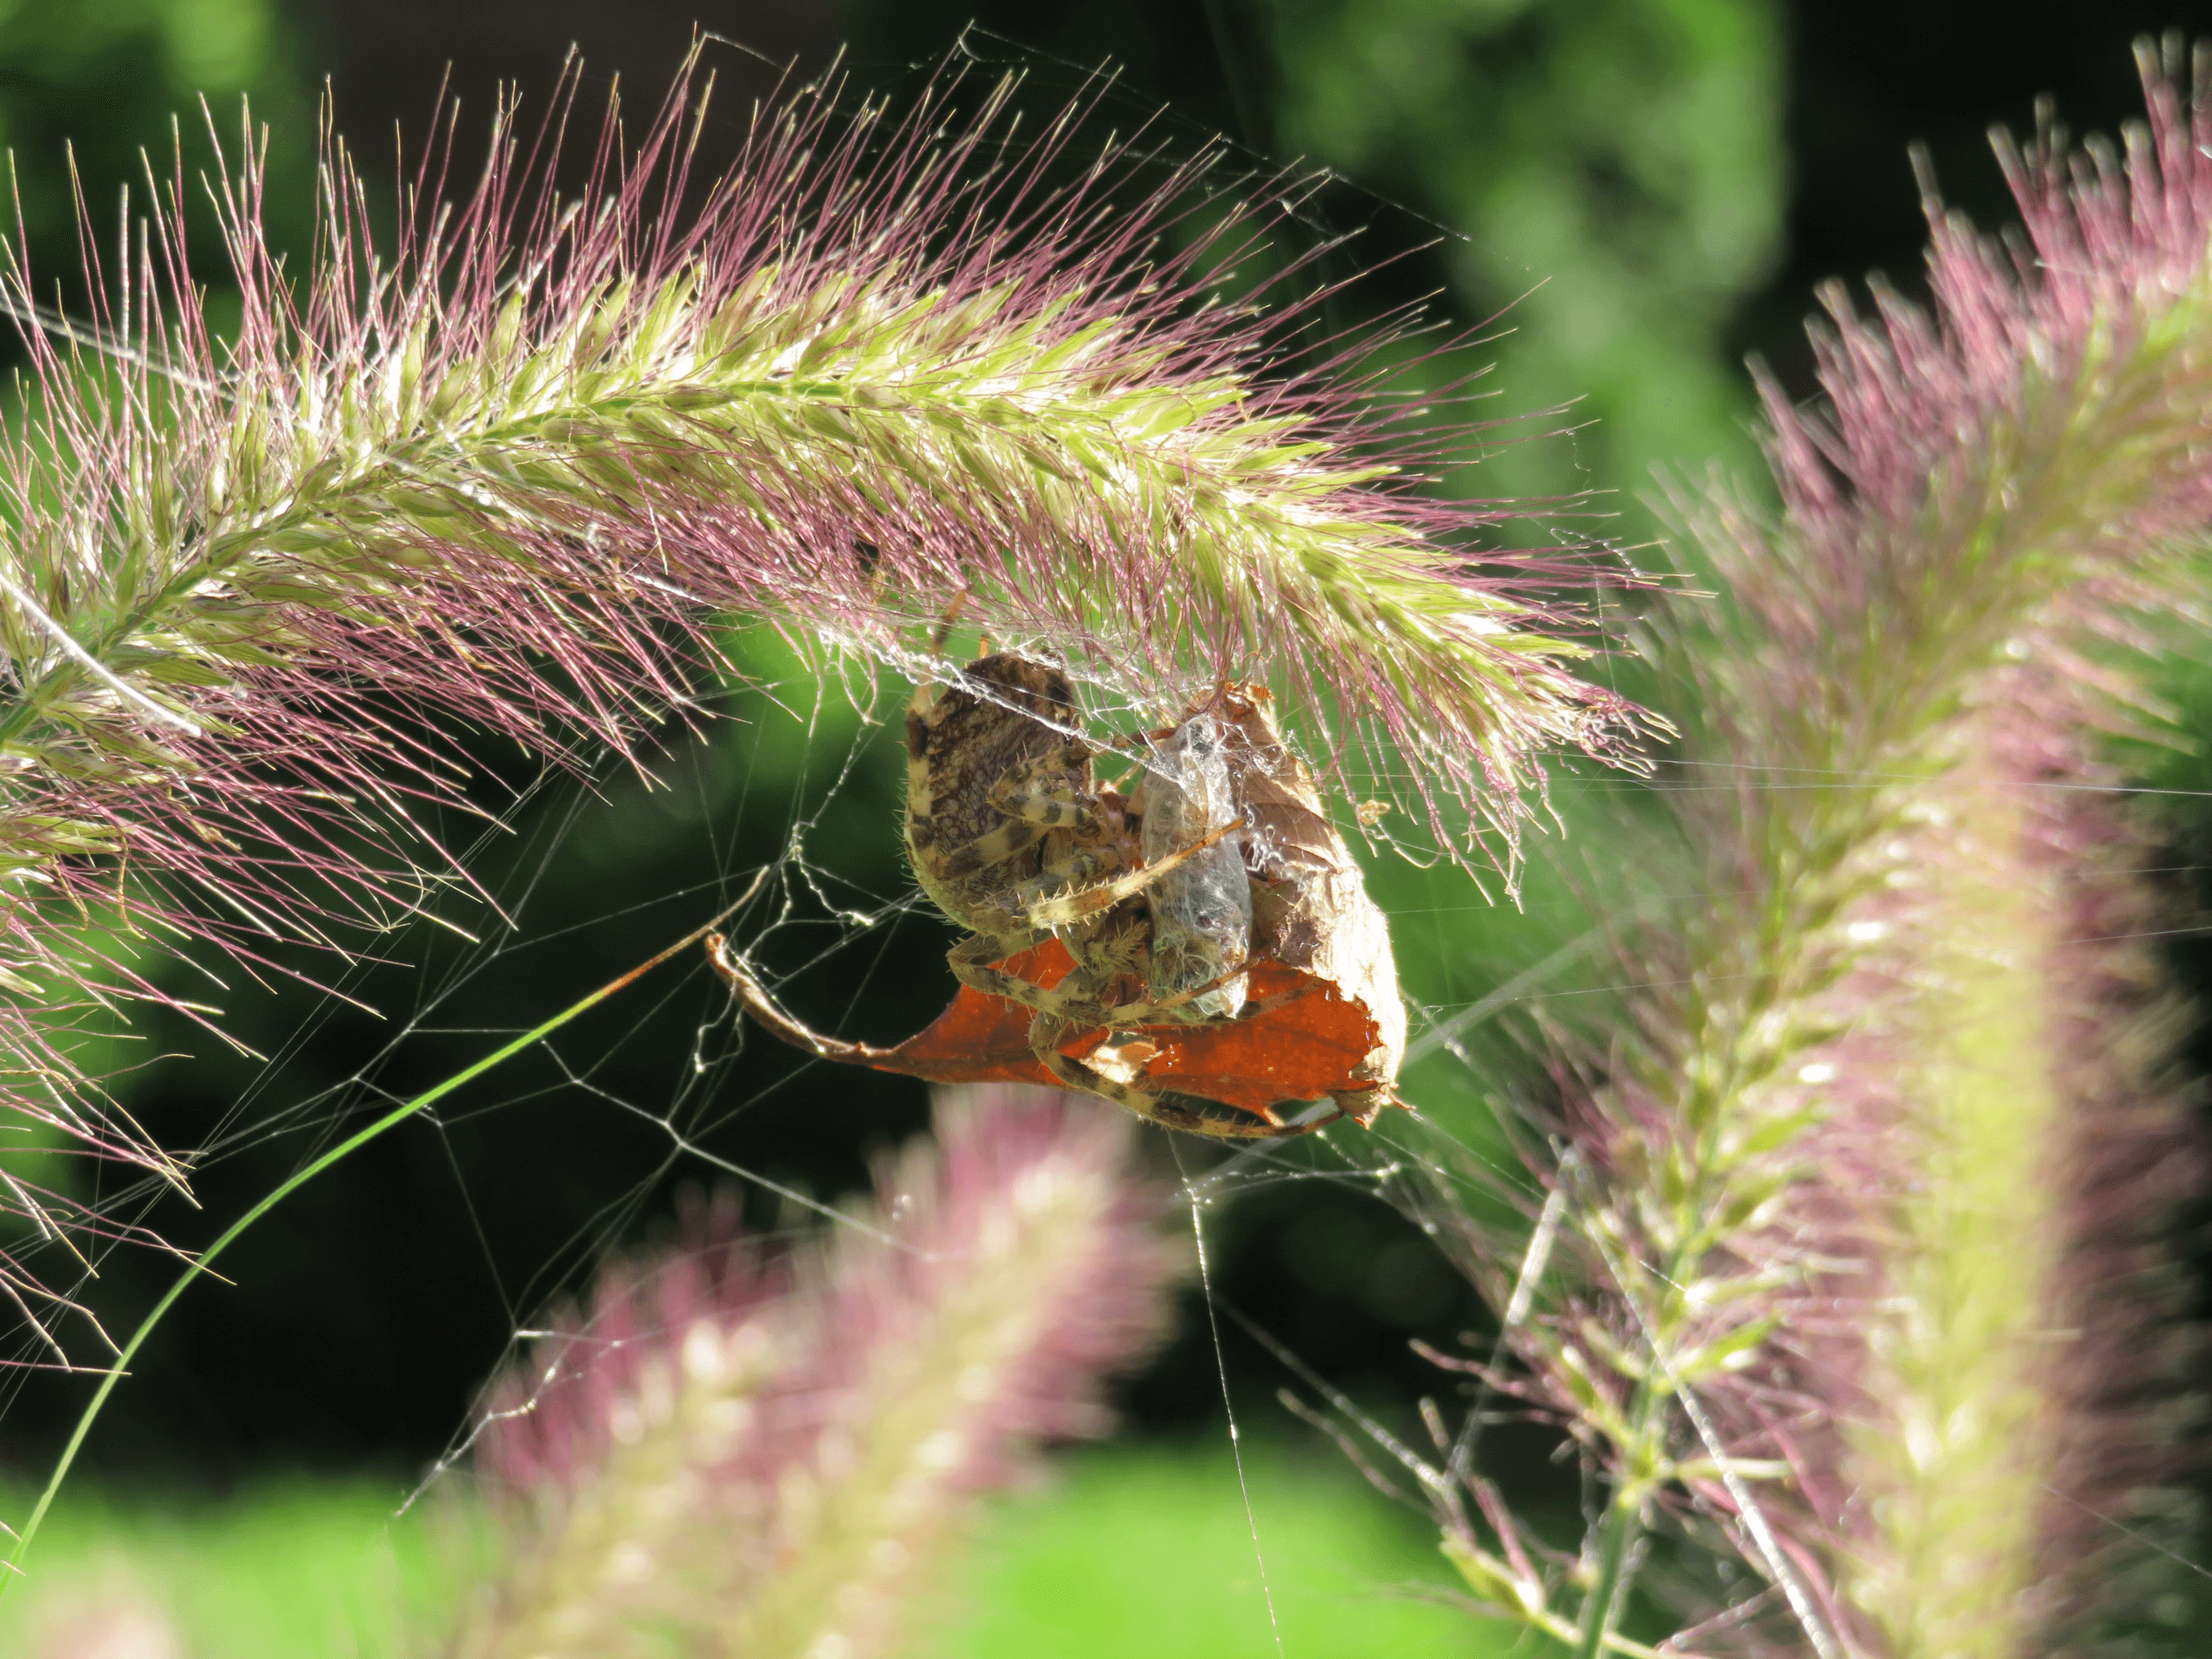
column 1064, row 909
column 1038, row 798
column 1042, row 916
column 1122, row 1016
column 1048, row 1031
column 1067, row 1000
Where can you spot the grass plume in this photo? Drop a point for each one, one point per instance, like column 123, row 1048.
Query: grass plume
column 741, row 1452
column 506, row 475
column 1854, row 1268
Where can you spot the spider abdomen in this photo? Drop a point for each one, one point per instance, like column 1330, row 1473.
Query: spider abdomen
column 1008, row 718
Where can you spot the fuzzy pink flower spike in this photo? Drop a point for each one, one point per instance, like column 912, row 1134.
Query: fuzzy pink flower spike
column 755, row 1453
column 1854, row 1269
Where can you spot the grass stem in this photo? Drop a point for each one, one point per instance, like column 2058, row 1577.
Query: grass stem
column 346, row 1148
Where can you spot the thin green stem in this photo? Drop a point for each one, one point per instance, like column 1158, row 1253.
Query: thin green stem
column 1624, row 1520
column 1623, row 1525
column 345, row 1148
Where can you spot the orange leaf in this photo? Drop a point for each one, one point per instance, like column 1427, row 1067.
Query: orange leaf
column 1306, row 1042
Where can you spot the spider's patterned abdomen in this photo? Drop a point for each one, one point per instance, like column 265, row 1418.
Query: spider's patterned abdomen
column 960, row 744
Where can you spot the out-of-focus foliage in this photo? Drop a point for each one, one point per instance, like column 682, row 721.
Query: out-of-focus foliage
column 1608, row 178
column 763, row 1452
column 1088, row 1571
column 1616, row 172
column 285, row 1568
column 1129, row 1552
column 1892, row 1096
column 136, row 63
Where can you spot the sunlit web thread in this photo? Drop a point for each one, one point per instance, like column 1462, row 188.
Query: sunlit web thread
column 1228, row 1405
column 316, row 1117
column 2128, row 1532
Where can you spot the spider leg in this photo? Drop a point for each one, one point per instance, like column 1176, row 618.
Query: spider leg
column 1071, row 1005
column 1037, row 798
column 1061, row 1011
column 1073, row 1009
column 1051, row 1028
column 1122, row 1016
column 1075, row 1074
column 979, row 948
column 997, row 982
column 1062, row 910
column 1073, row 1001
column 993, row 847
column 971, row 960
column 1169, row 1115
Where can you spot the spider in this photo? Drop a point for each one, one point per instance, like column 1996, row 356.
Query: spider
column 1011, row 835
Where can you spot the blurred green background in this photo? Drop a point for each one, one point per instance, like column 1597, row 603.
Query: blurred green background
column 1621, row 198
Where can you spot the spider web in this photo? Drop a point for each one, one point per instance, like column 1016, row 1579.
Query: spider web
column 788, row 800
column 785, row 803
